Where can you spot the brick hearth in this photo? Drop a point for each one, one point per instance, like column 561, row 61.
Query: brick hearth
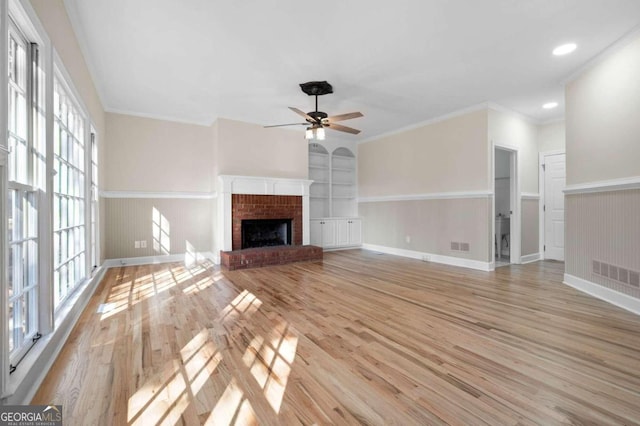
column 264, row 256
column 265, row 207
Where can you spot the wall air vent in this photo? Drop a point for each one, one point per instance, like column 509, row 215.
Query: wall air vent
column 616, row 273
column 459, row 246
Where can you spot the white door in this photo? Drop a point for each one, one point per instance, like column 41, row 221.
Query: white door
column 554, row 183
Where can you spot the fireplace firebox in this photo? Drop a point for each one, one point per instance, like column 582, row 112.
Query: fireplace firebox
column 266, row 232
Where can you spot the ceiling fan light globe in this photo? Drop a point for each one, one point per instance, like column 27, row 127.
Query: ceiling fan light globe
column 320, row 134
column 308, row 134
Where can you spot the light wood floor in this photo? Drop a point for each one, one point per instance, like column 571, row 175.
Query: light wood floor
column 359, row 338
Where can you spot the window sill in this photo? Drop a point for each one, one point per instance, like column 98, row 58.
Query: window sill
column 25, row 381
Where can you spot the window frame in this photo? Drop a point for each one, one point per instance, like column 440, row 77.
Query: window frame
column 53, row 323
column 23, row 185
column 61, row 78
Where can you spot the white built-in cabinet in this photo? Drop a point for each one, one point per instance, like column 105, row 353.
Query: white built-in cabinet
column 336, row 232
column 332, row 197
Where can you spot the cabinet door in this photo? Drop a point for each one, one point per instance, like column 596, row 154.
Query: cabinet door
column 328, row 233
column 342, row 232
column 315, row 228
column 355, row 232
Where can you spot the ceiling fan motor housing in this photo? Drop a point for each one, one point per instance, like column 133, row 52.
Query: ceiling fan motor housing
column 318, row 116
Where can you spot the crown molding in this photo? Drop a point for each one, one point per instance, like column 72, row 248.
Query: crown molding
column 501, row 108
column 552, row 121
column 438, row 119
column 604, row 54
column 76, row 26
column 159, row 117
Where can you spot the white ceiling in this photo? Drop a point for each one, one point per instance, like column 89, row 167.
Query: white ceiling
column 399, row 63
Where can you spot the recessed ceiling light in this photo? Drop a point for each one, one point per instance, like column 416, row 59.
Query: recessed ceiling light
column 565, row 49
column 550, row 105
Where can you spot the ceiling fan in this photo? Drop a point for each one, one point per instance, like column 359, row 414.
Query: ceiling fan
column 316, row 120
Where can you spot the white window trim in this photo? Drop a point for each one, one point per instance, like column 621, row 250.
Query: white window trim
column 26, row 19
column 19, row 387
column 63, row 77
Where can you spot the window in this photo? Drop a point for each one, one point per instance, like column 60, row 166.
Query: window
column 94, row 201
column 69, row 194
column 18, row 109
column 23, row 270
column 25, row 139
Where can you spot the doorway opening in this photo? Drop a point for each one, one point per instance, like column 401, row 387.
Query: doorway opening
column 505, row 236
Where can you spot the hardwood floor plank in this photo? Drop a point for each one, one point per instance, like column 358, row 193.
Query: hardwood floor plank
column 360, row 338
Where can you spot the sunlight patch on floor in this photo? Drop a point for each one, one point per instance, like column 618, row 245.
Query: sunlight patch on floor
column 270, row 362
column 165, row 396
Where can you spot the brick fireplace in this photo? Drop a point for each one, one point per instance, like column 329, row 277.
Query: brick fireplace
column 251, row 197
column 246, row 206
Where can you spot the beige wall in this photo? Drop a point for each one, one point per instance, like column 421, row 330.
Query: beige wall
column 145, row 154
column 603, row 143
column 551, row 137
column 448, row 156
column 431, row 225
column 186, row 221
column 506, row 129
column 214, row 155
column 603, row 119
column 250, row 150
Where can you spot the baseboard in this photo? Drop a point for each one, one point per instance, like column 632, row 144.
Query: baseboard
column 529, row 258
column 621, row 300
column 167, row 258
column 430, row 257
column 341, row 248
column 34, row 367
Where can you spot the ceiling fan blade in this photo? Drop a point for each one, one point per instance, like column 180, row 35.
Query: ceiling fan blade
column 343, row 117
column 303, row 114
column 290, row 124
column 342, row 128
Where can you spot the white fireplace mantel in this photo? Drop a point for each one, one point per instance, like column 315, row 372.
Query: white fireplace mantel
column 255, row 185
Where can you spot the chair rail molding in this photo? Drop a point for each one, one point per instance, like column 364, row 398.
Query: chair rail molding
column 621, row 184
column 426, row 196
column 158, row 194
